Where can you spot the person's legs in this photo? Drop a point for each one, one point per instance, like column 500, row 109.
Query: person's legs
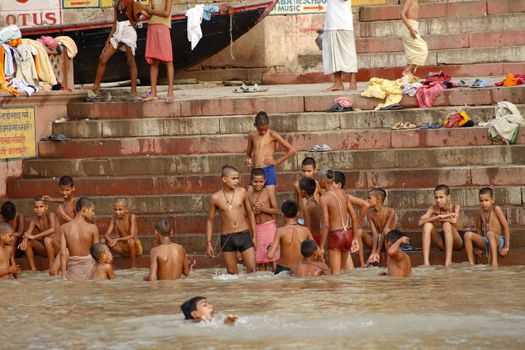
column 248, row 256
column 353, row 81
column 471, row 239
column 34, row 246
column 334, row 260
column 346, row 261
column 171, row 77
column 153, row 74
column 230, row 259
column 132, row 243
column 449, row 242
column 103, row 59
column 338, row 82
column 50, row 250
column 493, row 244
column 428, row 229
column 132, row 70
column 409, row 70
column 363, row 238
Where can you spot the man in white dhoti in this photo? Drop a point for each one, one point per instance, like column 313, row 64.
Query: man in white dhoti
column 339, row 53
column 416, row 48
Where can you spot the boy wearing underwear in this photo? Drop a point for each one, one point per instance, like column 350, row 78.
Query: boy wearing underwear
column 168, row 260
column 416, row 48
column 197, row 309
column 102, row 255
column 8, row 268
column 313, row 263
column 261, row 148
column 264, row 206
column 312, row 210
column 121, row 235
column 238, row 222
column 442, row 224
column 493, row 231
column 381, row 220
column 289, row 239
column 398, row 262
column 41, row 236
column 76, row 239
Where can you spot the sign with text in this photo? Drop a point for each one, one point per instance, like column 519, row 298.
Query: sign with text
column 72, row 4
column 30, row 13
column 17, row 132
column 295, row 7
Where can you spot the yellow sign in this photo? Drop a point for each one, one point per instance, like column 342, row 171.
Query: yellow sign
column 109, row 3
column 71, row 4
column 290, row 7
column 17, row 132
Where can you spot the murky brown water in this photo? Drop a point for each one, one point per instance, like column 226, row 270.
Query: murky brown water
column 458, row 308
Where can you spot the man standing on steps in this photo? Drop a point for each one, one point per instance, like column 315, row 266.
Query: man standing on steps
column 416, row 48
column 339, row 53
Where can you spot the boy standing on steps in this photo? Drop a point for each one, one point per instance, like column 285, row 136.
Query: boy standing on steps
column 261, row 148
column 238, row 222
column 416, row 48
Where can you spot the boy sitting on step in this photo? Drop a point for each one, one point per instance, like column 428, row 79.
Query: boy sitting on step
column 493, row 231
column 125, row 240
column 102, row 255
column 313, row 263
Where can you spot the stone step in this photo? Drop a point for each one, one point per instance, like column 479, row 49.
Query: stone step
column 444, row 10
column 198, row 203
column 305, row 98
column 213, row 163
column 339, row 140
column 241, row 125
column 461, row 176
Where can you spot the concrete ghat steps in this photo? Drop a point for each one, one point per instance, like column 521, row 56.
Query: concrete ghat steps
column 213, row 163
column 278, row 100
column 460, row 176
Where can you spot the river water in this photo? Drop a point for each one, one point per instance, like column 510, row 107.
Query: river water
column 437, row 308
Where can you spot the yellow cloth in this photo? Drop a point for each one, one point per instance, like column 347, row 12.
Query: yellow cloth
column 69, row 44
column 159, row 5
column 44, row 68
column 124, row 246
column 384, row 89
column 416, row 49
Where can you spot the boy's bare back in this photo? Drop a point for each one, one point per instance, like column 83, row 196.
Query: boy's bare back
column 337, row 209
column 312, row 268
column 104, row 272
column 290, row 238
column 313, row 215
column 411, row 9
column 79, row 236
column 168, row 262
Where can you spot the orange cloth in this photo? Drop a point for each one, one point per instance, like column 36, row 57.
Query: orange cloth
column 2, row 68
column 510, row 80
column 15, row 42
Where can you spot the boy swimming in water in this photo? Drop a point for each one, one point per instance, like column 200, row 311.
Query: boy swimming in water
column 493, row 231
column 313, row 263
column 8, row 268
column 198, row 309
column 312, row 213
column 447, row 217
column 125, row 241
column 261, row 149
column 289, row 239
column 168, row 260
column 398, row 262
column 237, row 220
column 102, row 255
column 264, row 206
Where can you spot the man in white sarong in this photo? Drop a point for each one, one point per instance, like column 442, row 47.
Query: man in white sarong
column 416, row 48
column 339, row 53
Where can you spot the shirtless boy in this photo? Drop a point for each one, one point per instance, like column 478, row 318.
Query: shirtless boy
column 445, row 216
column 66, row 210
column 261, row 148
column 9, row 215
column 381, row 220
column 102, row 255
column 312, row 210
column 121, row 235
column 41, row 236
column 416, row 48
column 264, row 206
column 237, row 220
column 398, row 264
column 313, row 263
column 289, row 239
column 168, row 260
column 197, row 309
column 76, row 238
column 337, row 228
column 8, row 268
column 493, row 231
column 308, row 169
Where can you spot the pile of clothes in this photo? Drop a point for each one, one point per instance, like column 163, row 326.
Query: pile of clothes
column 24, row 63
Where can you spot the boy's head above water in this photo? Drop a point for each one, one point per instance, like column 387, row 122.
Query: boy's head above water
column 308, row 167
column 442, row 195
column 101, row 253
column 393, row 236
column 307, row 186
column 376, row 196
column 289, row 209
column 308, row 248
column 39, row 206
column 262, row 123
column 163, row 228
column 120, row 207
column 8, row 211
column 258, row 179
column 486, row 198
column 197, row 309
column 66, row 186
column 6, row 233
column 85, row 207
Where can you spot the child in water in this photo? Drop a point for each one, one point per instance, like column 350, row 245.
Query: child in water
column 102, row 255
column 197, row 309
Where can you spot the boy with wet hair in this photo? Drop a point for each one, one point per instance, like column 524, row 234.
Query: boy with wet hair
column 125, row 240
column 8, row 267
column 308, row 169
column 261, row 148
column 264, row 206
column 493, row 230
column 238, row 222
column 398, row 262
column 76, row 239
column 102, row 255
column 9, row 215
column 289, row 239
column 381, row 221
column 168, row 260
column 41, row 236
column 313, row 263
column 312, row 210
column 66, row 209
column 447, row 217
column 197, row 309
